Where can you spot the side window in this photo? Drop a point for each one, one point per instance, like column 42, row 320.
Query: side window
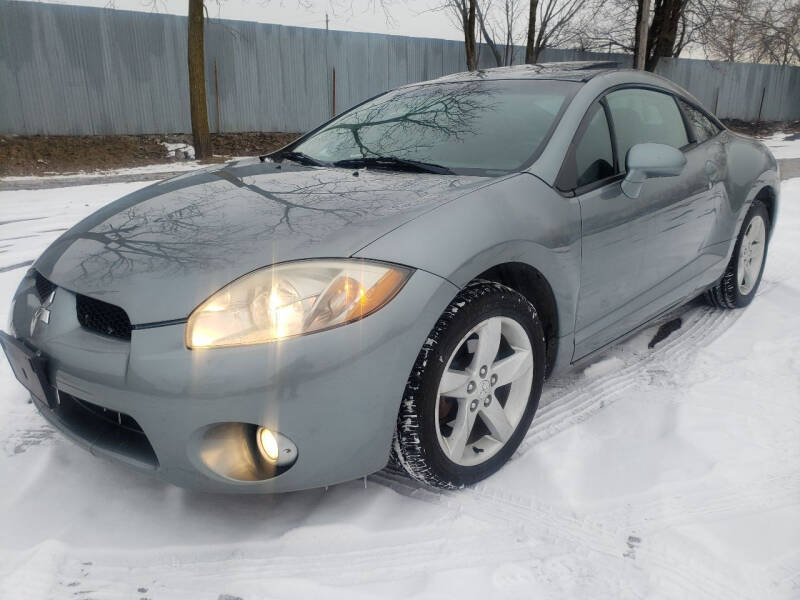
column 642, row 116
column 703, row 127
column 594, row 158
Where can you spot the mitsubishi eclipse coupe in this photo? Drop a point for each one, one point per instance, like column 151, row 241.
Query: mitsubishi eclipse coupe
column 395, row 285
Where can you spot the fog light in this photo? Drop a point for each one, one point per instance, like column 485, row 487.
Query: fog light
column 244, row 451
column 268, row 444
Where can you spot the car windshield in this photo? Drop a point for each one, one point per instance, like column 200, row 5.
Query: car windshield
column 473, row 127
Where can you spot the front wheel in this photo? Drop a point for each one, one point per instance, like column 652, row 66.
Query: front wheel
column 474, row 388
column 739, row 284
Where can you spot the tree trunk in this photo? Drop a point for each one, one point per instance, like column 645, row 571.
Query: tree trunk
column 663, row 31
column 468, row 15
column 530, row 54
column 640, row 40
column 197, row 81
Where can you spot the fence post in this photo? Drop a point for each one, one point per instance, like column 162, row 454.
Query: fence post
column 333, row 94
column 216, row 95
column 761, row 106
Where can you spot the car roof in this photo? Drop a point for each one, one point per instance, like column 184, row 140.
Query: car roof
column 605, row 74
column 568, row 71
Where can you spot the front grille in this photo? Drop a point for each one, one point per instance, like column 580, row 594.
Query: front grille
column 105, row 429
column 103, row 317
column 44, row 287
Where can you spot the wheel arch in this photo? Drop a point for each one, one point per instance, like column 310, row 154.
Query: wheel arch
column 769, row 198
column 531, row 283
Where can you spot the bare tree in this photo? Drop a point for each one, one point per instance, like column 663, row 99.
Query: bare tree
column 530, row 39
column 778, row 31
column 549, row 23
column 197, row 80
column 663, row 31
column 670, row 27
column 464, row 16
column 195, row 50
column 497, row 22
column 754, row 30
column 559, row 23
column 732, row 30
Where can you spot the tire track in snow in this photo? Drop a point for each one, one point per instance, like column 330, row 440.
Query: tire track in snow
column 584, row 539
column 551, row 530
column 606, row 533
column 186, row 571
column 769, row 493
column 580, row 398
column 673, row 574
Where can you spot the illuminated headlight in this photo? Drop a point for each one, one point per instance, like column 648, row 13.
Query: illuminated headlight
column 293, row 299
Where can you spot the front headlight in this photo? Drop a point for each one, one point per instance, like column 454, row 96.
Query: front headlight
column 292, row 299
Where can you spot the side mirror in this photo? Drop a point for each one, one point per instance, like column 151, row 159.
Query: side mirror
column 647, row 161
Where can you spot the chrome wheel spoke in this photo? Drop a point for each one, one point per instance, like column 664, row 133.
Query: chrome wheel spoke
column 462, row 427
column 757, row 255
column 488, row 343
column 740, row 270
column 454, row 384
column 510, row 368
column 494, row 416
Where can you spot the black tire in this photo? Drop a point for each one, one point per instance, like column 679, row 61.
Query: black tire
column 416, row 446
column 725, row 293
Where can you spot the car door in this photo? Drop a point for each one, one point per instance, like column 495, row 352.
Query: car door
column 620, row 272
column 615, row 230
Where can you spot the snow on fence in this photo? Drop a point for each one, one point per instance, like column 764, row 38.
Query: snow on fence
column 82, row 70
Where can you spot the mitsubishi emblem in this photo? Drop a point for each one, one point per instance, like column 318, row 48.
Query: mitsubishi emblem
column 42, row 313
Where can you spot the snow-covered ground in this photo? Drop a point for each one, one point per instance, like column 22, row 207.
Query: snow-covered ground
column 170, row 167
column 664, row 473
column 783, row 145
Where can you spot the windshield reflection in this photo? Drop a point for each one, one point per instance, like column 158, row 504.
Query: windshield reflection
column 467, row 127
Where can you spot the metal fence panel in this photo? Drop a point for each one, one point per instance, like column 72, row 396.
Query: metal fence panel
column 82, row 70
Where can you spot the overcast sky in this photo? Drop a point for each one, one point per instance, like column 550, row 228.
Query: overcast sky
column 406, row 17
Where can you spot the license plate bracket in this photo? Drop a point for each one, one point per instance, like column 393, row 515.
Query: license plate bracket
column 29, row 367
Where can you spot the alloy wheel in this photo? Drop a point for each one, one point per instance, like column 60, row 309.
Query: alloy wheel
column 751, row 255
column 484, row 390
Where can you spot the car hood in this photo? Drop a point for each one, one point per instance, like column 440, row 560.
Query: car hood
column 161, row 251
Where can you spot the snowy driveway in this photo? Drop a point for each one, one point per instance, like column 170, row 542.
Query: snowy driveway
column 670, row 472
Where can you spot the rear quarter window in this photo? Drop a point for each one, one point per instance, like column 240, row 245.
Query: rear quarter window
column 703, row 127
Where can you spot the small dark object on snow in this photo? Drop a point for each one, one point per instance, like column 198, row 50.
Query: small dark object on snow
column 665, row 331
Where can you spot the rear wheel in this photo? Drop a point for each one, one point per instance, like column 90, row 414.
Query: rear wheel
column 474, row 388
column 739, row 284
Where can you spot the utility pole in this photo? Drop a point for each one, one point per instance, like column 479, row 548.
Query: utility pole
column 643, row 26
column 326, row 21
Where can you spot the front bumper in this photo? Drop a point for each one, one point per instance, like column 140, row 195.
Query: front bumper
column 335, row 393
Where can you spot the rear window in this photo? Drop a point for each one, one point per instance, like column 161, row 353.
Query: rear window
column 473, row 127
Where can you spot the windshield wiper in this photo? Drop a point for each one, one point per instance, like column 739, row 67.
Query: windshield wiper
column 299, row 157
column 393, row 162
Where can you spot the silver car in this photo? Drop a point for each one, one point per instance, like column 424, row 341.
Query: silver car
column 394, row 286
